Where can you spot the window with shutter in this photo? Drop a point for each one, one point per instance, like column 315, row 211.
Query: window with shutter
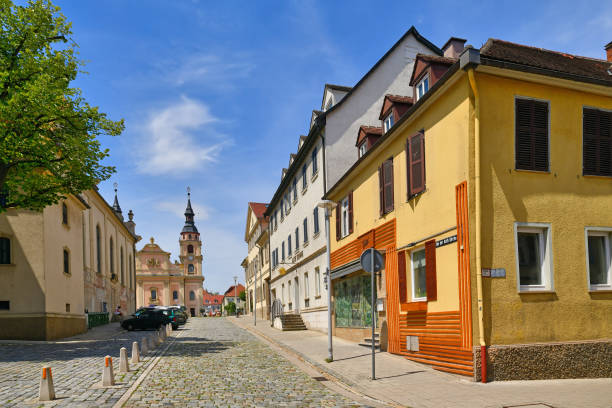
column 388, row 185
column 350, row 212
column 380, row 190
column 596, row 142
column 430, row 270
column 415, row 154
column 338, row 221
column 531, row 135
column 401, row 270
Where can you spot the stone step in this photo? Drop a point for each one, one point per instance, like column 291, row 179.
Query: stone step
column 369, row 345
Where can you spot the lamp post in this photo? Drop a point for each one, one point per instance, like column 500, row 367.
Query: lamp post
column 235, row 301
column 328, row 206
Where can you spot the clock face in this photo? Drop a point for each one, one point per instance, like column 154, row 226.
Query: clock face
column 190, row 257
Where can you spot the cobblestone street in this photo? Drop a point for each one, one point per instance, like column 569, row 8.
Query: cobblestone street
column 217, row 364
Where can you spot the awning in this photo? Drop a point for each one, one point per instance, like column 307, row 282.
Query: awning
column 346, row 269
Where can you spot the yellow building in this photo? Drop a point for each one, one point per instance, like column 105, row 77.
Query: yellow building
column 256, row 264
column 58, row 264
column 491, row 198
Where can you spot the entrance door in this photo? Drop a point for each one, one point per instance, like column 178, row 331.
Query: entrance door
column 297, row 295
column 192, row 310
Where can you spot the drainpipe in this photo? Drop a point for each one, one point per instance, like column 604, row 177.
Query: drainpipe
column 468, row 60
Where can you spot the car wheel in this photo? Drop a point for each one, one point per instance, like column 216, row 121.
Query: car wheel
column 130, row 327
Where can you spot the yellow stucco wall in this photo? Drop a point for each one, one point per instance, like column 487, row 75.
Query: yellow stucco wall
column 445, row 124
column 563, row 197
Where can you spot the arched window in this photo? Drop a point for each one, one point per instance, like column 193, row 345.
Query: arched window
column 111, row 257
column 5, row 251
column 122, row 266
column 190, row 268
column 64, row 214
column 192, row 295
column 66, row 262
column 190, row 249
column 153, row 294
column 98, row 250
column 175, row 295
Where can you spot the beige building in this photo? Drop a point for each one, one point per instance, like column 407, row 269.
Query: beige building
column 163, row 283
column 257, row 264
column 58, row 264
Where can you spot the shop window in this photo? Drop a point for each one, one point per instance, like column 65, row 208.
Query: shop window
column 353, row 306
column 419, row 276
column 599, row 267
column 534, row 258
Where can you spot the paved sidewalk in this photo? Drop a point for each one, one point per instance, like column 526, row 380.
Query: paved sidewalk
column 403, row 382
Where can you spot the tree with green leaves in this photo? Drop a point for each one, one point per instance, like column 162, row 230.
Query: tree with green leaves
column 230, row 308
column 242, row 295
column 49, row 144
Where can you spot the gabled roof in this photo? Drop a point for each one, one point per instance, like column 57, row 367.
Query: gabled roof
column 230, row 291
column 569, row 66
column 411, row 31
column 365, row 131
column 258, row 210
column 423, row 60
column 389, row 100
column 340, row 88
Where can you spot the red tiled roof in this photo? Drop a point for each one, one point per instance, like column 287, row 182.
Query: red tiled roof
column 364, row 131
column 230, row 291
column 435, row 58
column 212, row 299
column 399, row 98
column 258, row 209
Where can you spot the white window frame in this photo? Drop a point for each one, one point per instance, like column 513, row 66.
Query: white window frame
column 602, row 232
column 413, row 292
column 544, row 231
column 362, row 149
column 344, row 218
column 317, row 281
column 388, row 122
column 420, row 88
column 306, row 287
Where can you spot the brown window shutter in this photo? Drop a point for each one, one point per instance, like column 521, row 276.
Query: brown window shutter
column 381, row 190
column 531, row 138
column 430, row 270
column 350, row 209
column 417, row 164
column 408, row 194
column 401, row 271
column 338, row 211
column 596, row 142
column 388, row 184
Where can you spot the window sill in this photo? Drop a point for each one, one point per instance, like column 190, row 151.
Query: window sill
column 597, row 176
column 413, row 196
column 7, row 265
column 68, row 275
column 602, row 290
column 316, row 235
column 548, row 172
column 305, row 244
column 304, row 190
column 318, row 297
column 535, row 291
column 314, row 176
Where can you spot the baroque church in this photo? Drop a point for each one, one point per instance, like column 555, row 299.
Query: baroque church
column 160, row 282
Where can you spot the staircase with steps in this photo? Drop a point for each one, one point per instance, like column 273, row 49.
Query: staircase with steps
column 368, row 342
column 292, row 322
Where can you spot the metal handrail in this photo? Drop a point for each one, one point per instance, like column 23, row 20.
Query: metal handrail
column 277, row 309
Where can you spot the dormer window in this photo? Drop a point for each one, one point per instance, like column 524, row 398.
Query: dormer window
column 362, row 149
column 388, row 122
column 422, row 87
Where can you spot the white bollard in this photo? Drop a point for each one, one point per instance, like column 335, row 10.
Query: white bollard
column 124, row 366
column 47, row 391
column 170, row 329
column 144, row 348
column 108, row 377
column 135, row 353
column 168, row 326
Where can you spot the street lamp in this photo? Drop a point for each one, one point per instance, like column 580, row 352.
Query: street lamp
column 328, row 206
column 235, row 302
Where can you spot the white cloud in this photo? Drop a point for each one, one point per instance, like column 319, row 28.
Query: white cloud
column 213, row 70
column 177, row 207
column 176, row 143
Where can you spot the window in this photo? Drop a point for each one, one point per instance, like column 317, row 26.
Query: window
column 344, row 217
column 315, row 167
column 5, row 305
column 111, row 257
column 596, row 142
column 283, row 251
column 415, row 155
column 297, row 239
column 283, row 292
column 419, row 276
column 306, row 288
column 315, row 220
column 190, row 249
column 67, row 307
column 275, row 219
column 282, row 209
column 599, row 268
column 191, row 295
column 64, row 214
column 362, row 149
column 317, row 282
column 422, row 87
column 304, row 180
column 175, row 295
column 122, row 266
column 288, row 201
column 289, row 244
column 385, row 184
column 533, row 257
column 5, row 251
column 305, row 230
column 190, row 268
column 531, row 135
column 153, row 294
column 295, row 195
column 387, row 124
column 98, row 250
column 66, row 262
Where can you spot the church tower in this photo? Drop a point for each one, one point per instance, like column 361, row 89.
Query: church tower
column 191, row 261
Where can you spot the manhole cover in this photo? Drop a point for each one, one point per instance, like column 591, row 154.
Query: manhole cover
column 320, row 378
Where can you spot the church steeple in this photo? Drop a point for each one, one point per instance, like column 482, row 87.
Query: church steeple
column 116, row 207
column 189, row 223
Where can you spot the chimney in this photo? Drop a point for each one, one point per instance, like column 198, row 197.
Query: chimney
column 608, row 48
column 453, row 47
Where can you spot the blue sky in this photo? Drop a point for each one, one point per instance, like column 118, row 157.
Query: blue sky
column 215, row 94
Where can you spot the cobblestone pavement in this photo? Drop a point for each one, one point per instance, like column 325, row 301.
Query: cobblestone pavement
column 217, row 364
column 76, row 364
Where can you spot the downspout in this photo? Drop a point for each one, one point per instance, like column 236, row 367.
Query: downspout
column 469, row 59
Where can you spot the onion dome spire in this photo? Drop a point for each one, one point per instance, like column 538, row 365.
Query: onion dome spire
column 189, row 214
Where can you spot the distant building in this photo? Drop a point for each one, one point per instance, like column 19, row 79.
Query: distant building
column 163, row 283
column 231, row 295
column 74, row 257
column 211, row 303
column 256, row 265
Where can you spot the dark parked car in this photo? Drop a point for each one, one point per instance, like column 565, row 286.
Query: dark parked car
column 181, row 316
column 176, row 317
column 146, row 319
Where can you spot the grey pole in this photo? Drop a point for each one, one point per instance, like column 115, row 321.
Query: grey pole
column 373, row 280
column 235, row 302
column 330, row 348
